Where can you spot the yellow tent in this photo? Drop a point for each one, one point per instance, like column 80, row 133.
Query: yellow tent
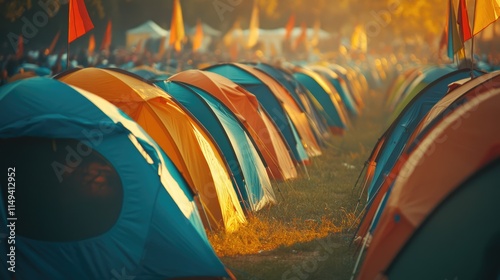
column 183, row 139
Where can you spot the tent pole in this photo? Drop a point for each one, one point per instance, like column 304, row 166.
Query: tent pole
column 359, row 176
column 307, row 172
column 359, row 257
column 277, row 185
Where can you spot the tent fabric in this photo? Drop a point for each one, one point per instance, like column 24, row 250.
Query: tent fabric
column 158, row 218
column 428, row 76
column 458, row 153
column 245, row 77
column 326, row 96
column 181, row 136
column 253, row 183
column 247, row 108
column 341, row 88
column 409, row 118
column 478, row 85
column 395, row 140
column 299, row 93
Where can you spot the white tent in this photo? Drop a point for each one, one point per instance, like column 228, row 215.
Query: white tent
column 147, row 30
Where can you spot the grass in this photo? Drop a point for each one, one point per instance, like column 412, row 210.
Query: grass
column 307, row 234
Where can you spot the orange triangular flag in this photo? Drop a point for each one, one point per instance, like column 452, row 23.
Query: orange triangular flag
column 176, row 27
column 106, row 42
column 289, row 27
column 79, row 20
column 253, row 31
column 54, row 42
column 198, row 36
column 91, row 47
column 302, row 37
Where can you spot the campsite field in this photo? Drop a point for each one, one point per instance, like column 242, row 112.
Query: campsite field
column 307, row 234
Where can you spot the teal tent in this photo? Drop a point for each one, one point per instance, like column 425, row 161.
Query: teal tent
column 95, row 197
column 246, row 164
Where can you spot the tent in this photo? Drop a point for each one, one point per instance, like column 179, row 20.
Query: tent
column 181, row 136
column 327, row 96
column 300, row 94
column 396, row 137
column 438, row 221
column 147, row 30
column 248, row 167
column 246, row 107
column 278, row 103
column 340, row 86
column 95, row 197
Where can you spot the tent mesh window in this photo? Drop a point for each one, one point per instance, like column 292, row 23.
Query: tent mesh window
column 64, row 189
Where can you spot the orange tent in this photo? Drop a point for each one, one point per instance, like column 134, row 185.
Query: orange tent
column 298, row 117
column 183, row 139
column 466, row 87
column 247, row 108
column 448, row 157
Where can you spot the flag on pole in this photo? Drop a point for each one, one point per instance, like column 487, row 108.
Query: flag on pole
column 289, row 27
column 176, row 27
column 317, row 29
column 198, row 36
column 485, row 13
column 454, row 43
column 253, row 32
column 161, row 48
column 20, row 47
column 52, row 45
column 301, row 39
column 463, row 21
column 106, row 41
column 91, row 46
column 79, row 20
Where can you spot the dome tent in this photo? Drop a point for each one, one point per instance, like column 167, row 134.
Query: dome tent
column 246, row 163
column 156, row 232
column 191, row 148
column 251, row 114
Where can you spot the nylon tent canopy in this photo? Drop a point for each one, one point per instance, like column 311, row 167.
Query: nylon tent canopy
column 180, row 135
column 248, row 110
column 243, row 158
column 154, row 230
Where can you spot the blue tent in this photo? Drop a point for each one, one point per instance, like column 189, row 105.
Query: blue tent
column 324, row 98
column 299, row 94
column 270, row 103
column 241, row 154
column 344, row 93
column 95, row 197
column 400, row 130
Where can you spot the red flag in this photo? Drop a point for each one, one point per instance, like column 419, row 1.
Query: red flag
column 463, row 21
column 91, row 46
column 302, row 37
column 79, row 20
column 106, row 42
column 289, row 27
column 20, row 47
column 54, row 42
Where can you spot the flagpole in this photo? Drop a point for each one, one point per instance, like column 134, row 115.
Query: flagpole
column 472, row 44
column 67, row 44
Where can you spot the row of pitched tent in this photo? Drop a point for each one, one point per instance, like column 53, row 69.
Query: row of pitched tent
column 118, row 176
column 433, row 179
